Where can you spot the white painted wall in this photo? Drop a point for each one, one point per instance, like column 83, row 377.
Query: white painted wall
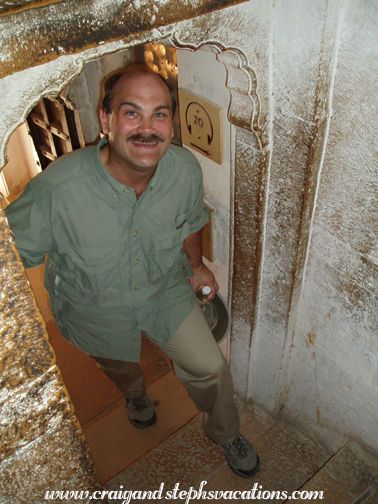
column 21, row 165
column 84, row 92
column 201, row 73
column 333, row 374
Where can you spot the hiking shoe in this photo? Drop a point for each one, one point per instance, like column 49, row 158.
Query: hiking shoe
column 141, row 413
column 242, row 457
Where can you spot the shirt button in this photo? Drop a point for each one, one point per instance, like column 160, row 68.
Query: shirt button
column 135, row 233
column 126, row 189
column 136, row 261
column 137, row 287
column 115, row 196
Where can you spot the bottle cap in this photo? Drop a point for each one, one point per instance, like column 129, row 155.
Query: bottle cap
column 206, row 290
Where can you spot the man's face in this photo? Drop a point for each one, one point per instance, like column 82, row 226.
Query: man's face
column 140, row 125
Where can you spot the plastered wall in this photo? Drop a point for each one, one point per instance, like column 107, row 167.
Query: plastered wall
column 201, row 73
column 304, row 211
column 302, row 82
column 21, row 166
column 332, row 374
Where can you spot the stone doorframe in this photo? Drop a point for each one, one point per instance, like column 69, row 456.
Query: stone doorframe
column 248, row 186
column 247, row 213
column 247, row 198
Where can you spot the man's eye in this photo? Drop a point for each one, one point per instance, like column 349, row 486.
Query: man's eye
column 130, row 113
column 160, row 114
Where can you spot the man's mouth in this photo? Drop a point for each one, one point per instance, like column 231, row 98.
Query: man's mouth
column 142, row 140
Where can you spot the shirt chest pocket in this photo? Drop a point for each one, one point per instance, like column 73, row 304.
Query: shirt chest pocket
column 94, row 270
column 166, row 247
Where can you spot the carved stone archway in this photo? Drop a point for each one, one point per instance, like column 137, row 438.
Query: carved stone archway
column 247, row 214
column 247, row 210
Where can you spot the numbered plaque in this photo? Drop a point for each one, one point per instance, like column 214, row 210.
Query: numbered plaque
column 201, row 125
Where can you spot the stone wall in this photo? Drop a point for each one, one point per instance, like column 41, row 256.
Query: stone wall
column 42, row 445
column 332, row 377
column 304, row 330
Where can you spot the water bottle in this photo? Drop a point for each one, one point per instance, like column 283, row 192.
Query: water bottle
column 203, row 293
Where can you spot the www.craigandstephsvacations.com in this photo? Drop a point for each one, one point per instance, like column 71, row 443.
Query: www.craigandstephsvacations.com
column 129, row 496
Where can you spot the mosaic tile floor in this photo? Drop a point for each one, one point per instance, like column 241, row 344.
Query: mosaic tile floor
column 176, row 452
column 289, row 462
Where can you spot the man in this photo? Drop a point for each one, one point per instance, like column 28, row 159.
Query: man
column 121, row 225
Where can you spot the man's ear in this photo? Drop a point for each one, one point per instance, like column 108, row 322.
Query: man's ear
column 173, row 132
column 104, row 118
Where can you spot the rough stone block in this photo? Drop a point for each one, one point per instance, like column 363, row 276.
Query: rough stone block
column 25, row 350
column 31, row 410
column 58, row 461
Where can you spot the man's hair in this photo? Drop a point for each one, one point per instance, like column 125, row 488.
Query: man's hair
column 130, row 71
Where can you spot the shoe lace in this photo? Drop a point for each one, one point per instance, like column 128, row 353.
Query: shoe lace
column 238, row 447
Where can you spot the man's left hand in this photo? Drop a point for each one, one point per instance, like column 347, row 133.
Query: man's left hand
column 203, row 276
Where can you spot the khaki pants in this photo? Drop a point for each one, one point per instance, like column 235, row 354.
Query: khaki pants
column 202, row 369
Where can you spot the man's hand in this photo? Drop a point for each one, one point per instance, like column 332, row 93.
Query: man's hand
column 203, row 276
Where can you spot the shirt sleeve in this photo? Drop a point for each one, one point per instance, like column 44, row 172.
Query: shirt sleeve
column 33, row 235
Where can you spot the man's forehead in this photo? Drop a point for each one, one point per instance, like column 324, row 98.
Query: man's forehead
column 136, row 79
column 142, row 90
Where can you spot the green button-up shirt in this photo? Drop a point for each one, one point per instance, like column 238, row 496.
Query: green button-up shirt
column 115, row 266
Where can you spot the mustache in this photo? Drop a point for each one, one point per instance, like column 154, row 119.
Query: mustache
column 145, row 139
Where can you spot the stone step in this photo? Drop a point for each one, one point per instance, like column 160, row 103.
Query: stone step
column 187, row 459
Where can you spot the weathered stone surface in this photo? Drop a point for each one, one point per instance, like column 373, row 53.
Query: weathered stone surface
column 335, row 340
column 293, row 111
column 25, row 351
column 12, row 6
column 31, row 410
column 48, row 35
column 246, row 242
column 357, row 476
column 335, row 350
column 247, row 190
column 41, row 444
column 58, row 461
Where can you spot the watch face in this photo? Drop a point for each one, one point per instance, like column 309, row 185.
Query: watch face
column 216, row 316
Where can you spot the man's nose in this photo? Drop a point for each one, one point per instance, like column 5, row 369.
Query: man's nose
column 146, row 125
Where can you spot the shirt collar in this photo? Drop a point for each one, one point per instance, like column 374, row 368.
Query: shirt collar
column 115, row 186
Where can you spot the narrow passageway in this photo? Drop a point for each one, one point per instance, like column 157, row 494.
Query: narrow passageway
column 176, row 453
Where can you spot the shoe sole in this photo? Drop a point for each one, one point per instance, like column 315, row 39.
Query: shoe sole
column 142, row 425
